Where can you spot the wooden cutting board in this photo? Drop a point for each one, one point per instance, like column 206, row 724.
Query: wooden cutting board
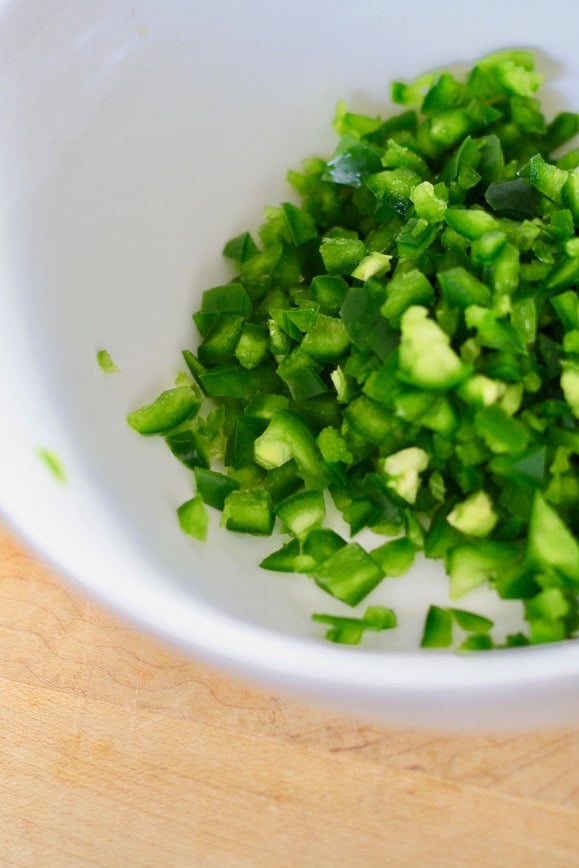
column 116, row 751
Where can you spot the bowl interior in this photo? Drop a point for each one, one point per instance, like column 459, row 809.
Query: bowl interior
column 137, row 138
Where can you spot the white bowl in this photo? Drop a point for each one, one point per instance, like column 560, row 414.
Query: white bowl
column 135, row 138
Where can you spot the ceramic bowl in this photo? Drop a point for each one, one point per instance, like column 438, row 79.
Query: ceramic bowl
column 135, row 138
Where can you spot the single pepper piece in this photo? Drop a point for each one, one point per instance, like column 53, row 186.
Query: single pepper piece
column 288, row 437
column 349, row 574
column 248, row 512
column 167, row 411
column 193, row 518
column 426, row 358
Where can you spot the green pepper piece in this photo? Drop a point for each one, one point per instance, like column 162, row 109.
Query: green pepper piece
column 329, row 290
column 300, row 226
column 230, row 299
column 403, row 470
column 445, row 93
column 319, row 412
column 397, row 156
column 561, row 225
column 570, row 195
column 428, row 204
column 284, row 560
column 106, row 363
column 341, row 255
column 565, row 273
column 447, row 128
column 491, row 165
column 333, row 446
column 189, row 446
column 561, row 129
column 471, row 564
column 264, row 406
column 233, row 381
column 240, row 248
column 393, row 188
column 415, row 238
column 413, row 93
column 167, row 411
column 437, row 632
column 193, row 518
column 282, row 481
column 53, row 463
column 253, row 346
column 403, row 290
column 321, row 543
column 388, row 517
column 369, row 419
column 262, row 270
column 545, row 177
column 367, row 328
column 471, row 223
column 357, row 125
column 516, row 582
column 395, row 557
column 514, row 198
column 213, row 487
column 195, row 367
column 460, row 288
column 528, row 467
column 352, row 161
column 501, row 433
column 474, row 516
column 349, row 631
column 302, row 511
column 374, row 264
column 440, row 536
column 426, row 358
column 299, row 373
column 493, row 332
column 248, row 512
column 288, row 437
column 477, row 642
column 543, row 630
column 220, row 341
column 471, row 622
column 552, row 604
column 327, row 340
column 463, row 165
column 240, row 444
column 550, row 543
column 505, row 271
column 349, row 574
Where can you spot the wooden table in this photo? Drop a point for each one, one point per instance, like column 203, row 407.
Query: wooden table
column 116, row 751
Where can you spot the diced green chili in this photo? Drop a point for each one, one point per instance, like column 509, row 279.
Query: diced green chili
column 437, row 631
column 349, row 631
column 395, row 557
column 167, row 411
column 193, row 518
column 349, row 574
column 404, row 337
column 106, row 363
column 214, row 487
column 248, row 512
column 301, row 512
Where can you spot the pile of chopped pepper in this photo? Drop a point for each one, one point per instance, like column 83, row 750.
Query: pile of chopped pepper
column 405, row 340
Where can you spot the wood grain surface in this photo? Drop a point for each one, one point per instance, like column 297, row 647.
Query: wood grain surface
column 116, row 751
